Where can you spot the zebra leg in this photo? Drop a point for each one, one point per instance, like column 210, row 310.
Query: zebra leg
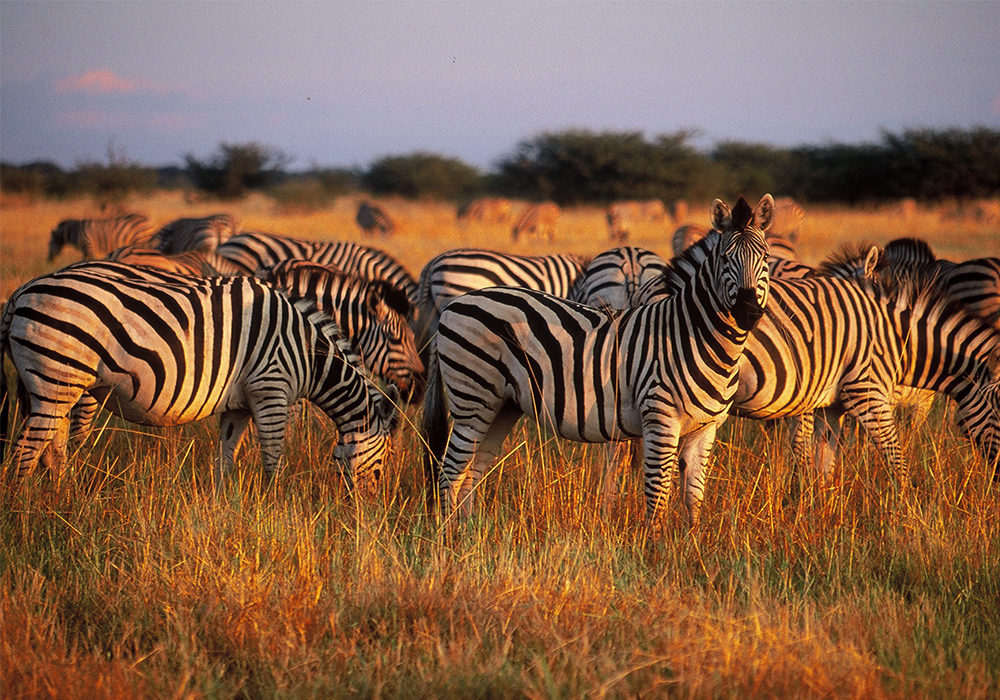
column 802, row 445
column 693, row 465
column 471, row 451
column 43, row 437
column 232, row 429
column 271, row 419
column 82, row 416
column 877, row 418
column 828, row 424
column 659, row 448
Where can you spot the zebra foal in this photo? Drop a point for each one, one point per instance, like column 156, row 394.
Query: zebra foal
column 666, row 371
column 168, row 354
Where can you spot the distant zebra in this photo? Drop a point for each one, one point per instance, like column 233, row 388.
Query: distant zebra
column 624, row 216
column 98, row 237
column 686, row 236
column 371, row 219
column 614, row 279
column 665, row 371
column 485, row 210
column 456, row 272
column 203, row 234
column 188, row 262
column 788, row 218
column 371, row 314
column 253, row 251
column 538, row 221
column 167, row 354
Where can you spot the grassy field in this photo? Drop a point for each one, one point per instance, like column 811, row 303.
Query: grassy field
column 130, row 579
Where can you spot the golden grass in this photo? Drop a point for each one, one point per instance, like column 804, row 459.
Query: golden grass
column 128, row 579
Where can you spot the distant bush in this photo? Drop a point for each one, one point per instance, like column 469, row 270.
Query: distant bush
column 235, row 169
column 422, row 176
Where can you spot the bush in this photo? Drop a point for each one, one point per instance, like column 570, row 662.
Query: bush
column 422, row 176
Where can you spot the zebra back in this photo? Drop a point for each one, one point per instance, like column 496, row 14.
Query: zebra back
column 686, row 236
column 614, row 279
column 189, row 262
column 456, row 272
column 203, row 234
column 95, row 238
column 252, row 251
column 485, row 210
column 371, row 314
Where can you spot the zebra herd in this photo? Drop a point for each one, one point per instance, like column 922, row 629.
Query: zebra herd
column 202, row 318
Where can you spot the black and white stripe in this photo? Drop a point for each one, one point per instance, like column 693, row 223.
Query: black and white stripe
column 613, row 280
column 666, row 371
column 167, row 354
column 98, row 237
column 373, row 220
column 252, row 251
column 204, row 234
column 457, row 272
column 371, row 314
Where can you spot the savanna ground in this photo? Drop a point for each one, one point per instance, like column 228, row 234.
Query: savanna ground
column 130, row 579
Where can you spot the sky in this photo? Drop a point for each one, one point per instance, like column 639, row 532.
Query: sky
column 342, row 84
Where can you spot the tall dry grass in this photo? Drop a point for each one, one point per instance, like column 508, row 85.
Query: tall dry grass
column 127, row 578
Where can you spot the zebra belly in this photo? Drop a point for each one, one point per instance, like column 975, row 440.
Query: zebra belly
column 119, row 400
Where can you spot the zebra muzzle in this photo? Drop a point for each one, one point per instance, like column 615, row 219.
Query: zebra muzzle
column 747, row 311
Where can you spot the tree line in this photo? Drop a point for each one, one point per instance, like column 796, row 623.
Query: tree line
column 570, row 167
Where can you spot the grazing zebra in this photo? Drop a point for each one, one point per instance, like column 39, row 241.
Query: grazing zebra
column 485, row 210
column 538, row 221
column 168, row 354
column 623, row 216
column 788, row 218
column 371, row 314
column 253, row 251
column 686, row 236
column 456, row 272
column 98, row 237
column 371, row 219
column 194, row 263
column 665, row 371
column 204, row 234
column 614, row 279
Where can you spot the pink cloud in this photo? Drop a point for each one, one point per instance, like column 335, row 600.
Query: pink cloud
column 101, row 81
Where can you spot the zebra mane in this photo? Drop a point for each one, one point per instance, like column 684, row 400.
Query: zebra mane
column 847, row 261
column 682, row 268
column 328, row 332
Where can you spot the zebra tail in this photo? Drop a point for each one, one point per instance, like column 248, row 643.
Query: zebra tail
column 434, row 427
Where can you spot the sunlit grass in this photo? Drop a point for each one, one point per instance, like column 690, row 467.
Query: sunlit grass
column 129, row 578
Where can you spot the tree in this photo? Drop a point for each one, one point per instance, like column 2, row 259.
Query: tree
column 236, row 168
column 422, row 175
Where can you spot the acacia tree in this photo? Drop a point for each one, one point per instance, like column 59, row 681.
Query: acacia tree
column 236, row 169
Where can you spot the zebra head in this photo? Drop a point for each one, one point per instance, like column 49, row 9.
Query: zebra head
column 740, row 264
column 66, row 233
column 364, row 450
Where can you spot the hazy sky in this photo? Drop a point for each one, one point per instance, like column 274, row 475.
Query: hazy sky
column 344, row 83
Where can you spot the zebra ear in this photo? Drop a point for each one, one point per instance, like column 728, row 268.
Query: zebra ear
column 871, row 260
column 764, row 215
column 375, row 300
column 722, row 219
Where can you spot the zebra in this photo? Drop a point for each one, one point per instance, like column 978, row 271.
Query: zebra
column 203, row 234
column 665, row 371
column 973, row 283
column 371, row 219
column 686, row 236
column 193, row 263
column 168, row 354
column 485, row 210
column 614, row 279
column 788, row 218
column 538, row 221
column 95, row 238
column 371, row 314
column 623, row 216
column 829, row 346
column 456, row 272
column 252, row 251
